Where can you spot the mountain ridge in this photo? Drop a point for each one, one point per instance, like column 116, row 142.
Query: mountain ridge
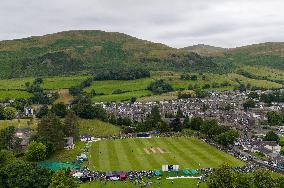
column 83, row 51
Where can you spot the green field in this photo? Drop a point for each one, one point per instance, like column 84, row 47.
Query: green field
column 17, row 83
column 86, row 126
column 14, row 88
column 137, row 88
column 63, row 82
column 97, row 128
column 14, row 94
column 150, row 154
column 19, row 123
column 108, row 86
column 253, row 82
column 67, row 155
column 121, row 97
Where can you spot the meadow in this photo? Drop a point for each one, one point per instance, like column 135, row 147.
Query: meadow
column 19, row 123
column 62, row 82
column 108, row 86
column 14, row 94
column 15, row 84
column 137, row 88
column 150, row 154
column 253, row 82
column 15, row 88
column 86, row 126
column 97, row 128
column 121, row 97
column 67, row 155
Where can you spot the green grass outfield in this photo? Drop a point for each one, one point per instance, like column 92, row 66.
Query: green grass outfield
column 150, row 154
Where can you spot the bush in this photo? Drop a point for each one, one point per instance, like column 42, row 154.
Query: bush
column 160, row 87
column 10, row 113
column 121, row 74
column 59, row 110
column 36, row 151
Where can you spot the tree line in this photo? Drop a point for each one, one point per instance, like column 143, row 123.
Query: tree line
column 226, row 177
column 39, row 95
column 121, row 73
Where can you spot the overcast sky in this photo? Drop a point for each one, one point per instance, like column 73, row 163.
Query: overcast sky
column 177, row 23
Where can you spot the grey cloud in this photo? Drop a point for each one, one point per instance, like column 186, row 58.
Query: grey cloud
column 179, row 23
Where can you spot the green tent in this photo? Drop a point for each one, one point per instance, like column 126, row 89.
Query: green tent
column 186, row 172
column 157, row 173
column 194, row 172
column 57, row 165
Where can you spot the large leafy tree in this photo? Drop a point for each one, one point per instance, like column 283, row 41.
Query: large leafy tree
column 153, row 119
column 176, row 125
column 63, row 179
column 87, row 111
column 160, row 87
column 2, row 115
column 186, row 122
column 71, row 125
column 243, row 180
column 271, row 136
column 250, row 103
column 196, row 123
column 50, row 131
column 36, row 151
column 59, row 109
column 9, row 113
column 223, row 177
column 227, row 138
column 274, row 118
column 211, row 128
column 263, row 178
column 43, row 111
column 19, row 173
column 6, row 156
column 8, row 140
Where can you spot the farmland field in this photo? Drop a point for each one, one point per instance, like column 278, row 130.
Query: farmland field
column 14, row 84
column 121, row 97
column 14, row 94
column 253, row 82
column 137, row 88
column 63, row 82
column 19, row 123
column 150, row 154
column 108, row 86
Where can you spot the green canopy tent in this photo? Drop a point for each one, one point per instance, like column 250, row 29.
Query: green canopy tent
column 157, row 173
column 186, row 172
column 194, row 172
column 57, row 165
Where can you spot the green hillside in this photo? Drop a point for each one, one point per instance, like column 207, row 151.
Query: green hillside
column 67, row 58
column 269, row 55
column 82, row 52
column 204, row 49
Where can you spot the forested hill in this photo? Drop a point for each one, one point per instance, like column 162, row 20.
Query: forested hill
column 204, row 49
column 89, row 51
column 77, row 52
column 270, row 54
